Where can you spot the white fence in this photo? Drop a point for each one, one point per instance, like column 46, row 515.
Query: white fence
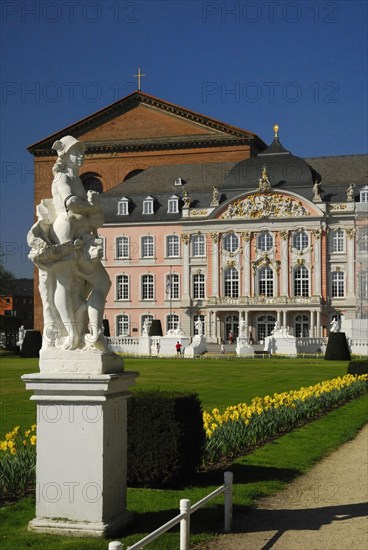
column 186, row 509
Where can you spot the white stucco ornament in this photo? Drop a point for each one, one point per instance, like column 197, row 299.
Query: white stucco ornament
column 73, row 283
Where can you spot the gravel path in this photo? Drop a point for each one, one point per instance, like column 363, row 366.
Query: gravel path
column 325, row 509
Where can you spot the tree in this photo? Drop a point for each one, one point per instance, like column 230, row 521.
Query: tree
column 7, row 280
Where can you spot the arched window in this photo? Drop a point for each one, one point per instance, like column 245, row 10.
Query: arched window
column 122, row 247
column 122, row 287
column 172, row 322
column 231, row 283
column 265, row 281
column 300, row 240
column 173, row 205
column 265, row 326
column 123, row 207
column 230, row 242
column 301, row 327
column 172, row 246
column 338, row 287
column 147, row 287
column 122, row 325
column 172, row 287
column 198, row 245
column 91, row 182
column 264, row 241
column 148, row 205
column 148, row 247
column 301, row 281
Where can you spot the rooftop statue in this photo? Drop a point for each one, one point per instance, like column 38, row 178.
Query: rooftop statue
column 67, row 250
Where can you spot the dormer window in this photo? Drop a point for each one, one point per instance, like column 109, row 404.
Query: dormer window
column 178, row 182
column 148, row 205
column 123, row 207
column 364, row 194
column 173, row 205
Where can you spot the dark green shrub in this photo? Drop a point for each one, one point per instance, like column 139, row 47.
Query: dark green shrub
column 337, row 347
column 358, row 367
column 31, row 344
column 165, row 438
column 156, row 328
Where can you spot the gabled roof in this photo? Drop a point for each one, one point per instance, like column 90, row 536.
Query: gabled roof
column 133, row 100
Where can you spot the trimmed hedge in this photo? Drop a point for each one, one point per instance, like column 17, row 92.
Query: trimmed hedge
column 165, row 438
column 32, row 344
column 358, row 367
column 337, row 347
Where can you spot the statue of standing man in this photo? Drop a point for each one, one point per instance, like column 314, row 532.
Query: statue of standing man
column 67, row 250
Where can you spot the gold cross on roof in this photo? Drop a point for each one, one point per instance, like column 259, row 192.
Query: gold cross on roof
column 139, row 76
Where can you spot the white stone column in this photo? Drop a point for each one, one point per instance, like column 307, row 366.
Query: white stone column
column 350, row 279
column 81, row 452
column 186, row 272
column 284, row 262
column 215, row 264
column 317, row 264
column 247, row 266
column 278, row 318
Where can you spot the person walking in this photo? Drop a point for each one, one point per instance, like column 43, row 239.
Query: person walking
column 158, row 348
column 222, row 349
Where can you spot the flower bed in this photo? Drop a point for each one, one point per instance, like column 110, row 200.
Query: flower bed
column 243, row 426
column 17, row 462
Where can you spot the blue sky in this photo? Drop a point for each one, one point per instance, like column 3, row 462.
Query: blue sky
column 249, row 63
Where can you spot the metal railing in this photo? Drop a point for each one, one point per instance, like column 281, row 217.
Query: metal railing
column 186, row 509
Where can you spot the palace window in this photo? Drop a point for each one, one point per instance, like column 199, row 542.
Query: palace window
column 172, row 246
column 172, row 322
column 265, row 326
column 147, row 247
column 364, row 194
column 301, row 327
column 172, row 287
column 201, row 319
column 300, row 240
column 198, row 286
column 122, row 247
column 265, row 281
column 122, row 287
column 265, row 241
column 363, row 242
column 198, row 245
column 123, row 207
column 147, row 287
column 301, row 281
column 338, row 288
column 173, row 205
column 230, row 242
column 148, row 205
column 364, row 285
column 122, row 325
column 231, row 283
column 337, row 240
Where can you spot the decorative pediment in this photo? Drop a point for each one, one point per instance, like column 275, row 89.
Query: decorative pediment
column 266, row 205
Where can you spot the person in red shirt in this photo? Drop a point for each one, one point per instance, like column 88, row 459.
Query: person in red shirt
column 178, row 348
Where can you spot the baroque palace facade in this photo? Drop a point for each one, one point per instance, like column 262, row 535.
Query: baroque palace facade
column 204, row 221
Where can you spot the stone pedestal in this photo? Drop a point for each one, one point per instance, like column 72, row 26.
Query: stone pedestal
column 81, row 452
column 197, row 347
column 243, row 348
column 168, row 342
column 282, row 343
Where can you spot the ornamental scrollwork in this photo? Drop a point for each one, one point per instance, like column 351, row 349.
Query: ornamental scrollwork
column 284, row 233
column 215, row 237
column 350, row 231
column 265, row 205
column 185, row 238
column 317, row 233
column 246, row 236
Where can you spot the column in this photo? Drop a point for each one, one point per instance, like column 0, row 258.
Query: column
column 278, row 318
column 215, row 264
column 350, row 279
column 186, row 283
column 318, row 327
column 317, row 263
column 247, row 267
column 284, row 262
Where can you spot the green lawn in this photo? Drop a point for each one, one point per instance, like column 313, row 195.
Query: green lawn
column 219, row 382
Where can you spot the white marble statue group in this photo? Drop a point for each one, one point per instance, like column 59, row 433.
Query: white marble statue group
column 65, row 246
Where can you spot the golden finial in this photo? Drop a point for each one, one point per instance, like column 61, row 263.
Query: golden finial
column 276, row 130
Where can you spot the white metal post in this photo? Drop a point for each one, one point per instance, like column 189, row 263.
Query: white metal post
column 115, row 545
column 228, row 496
column 185, row 524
